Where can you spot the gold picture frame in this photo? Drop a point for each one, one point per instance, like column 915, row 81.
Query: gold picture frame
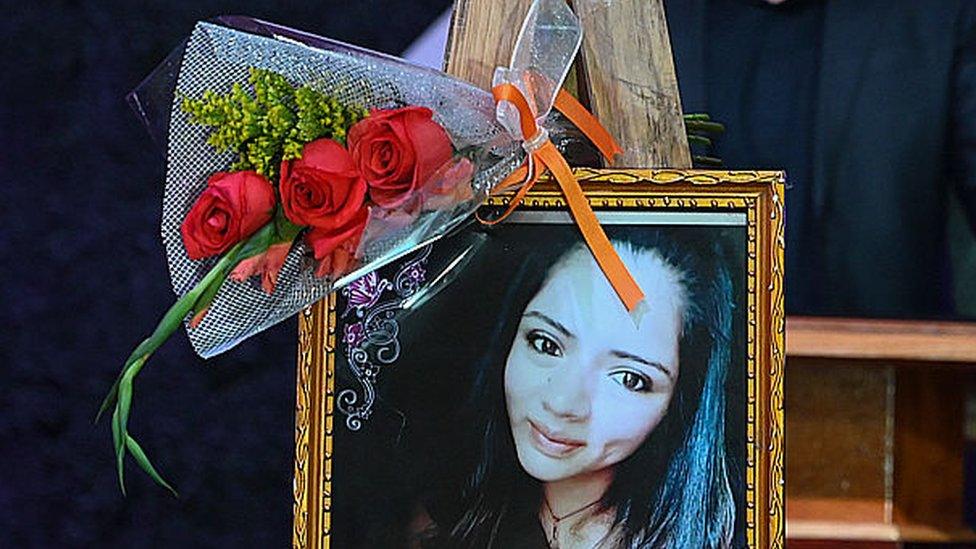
column 756, row 194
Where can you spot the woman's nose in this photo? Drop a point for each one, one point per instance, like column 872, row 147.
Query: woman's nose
column 568, row 396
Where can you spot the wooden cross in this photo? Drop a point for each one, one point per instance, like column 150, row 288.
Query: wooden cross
column 625, row 71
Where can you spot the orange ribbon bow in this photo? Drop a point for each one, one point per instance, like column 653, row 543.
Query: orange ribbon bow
column 542, row 152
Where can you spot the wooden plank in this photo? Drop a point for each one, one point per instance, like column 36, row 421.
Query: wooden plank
column 926, row 498
column 838, row 544
column 836, row 531
column 808, row 512
column 929, row 445
column 631, row 83
column 837, row 440
column 629, row 80
column 869, row 534
column 482, row 36
column 906, row 340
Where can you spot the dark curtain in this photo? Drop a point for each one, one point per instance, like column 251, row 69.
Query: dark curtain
column 84, row 279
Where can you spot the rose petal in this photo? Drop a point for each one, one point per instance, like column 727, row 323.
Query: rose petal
column 407, row 150
column 323, row 188
column 431, row 142
column 325, row 240
column 328, row 155
column 232, row 207
column 342, row 260
column 384, row 137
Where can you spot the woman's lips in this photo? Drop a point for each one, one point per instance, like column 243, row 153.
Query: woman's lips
column 552, row 444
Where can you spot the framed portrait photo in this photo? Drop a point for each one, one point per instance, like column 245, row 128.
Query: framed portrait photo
column 490, row 389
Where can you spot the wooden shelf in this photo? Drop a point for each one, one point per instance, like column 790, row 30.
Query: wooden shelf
column 864, row 520
column 885, row 400
column 805, row 529
column 863, row 339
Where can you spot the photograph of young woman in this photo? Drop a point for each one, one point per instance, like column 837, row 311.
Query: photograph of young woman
column 587, row 426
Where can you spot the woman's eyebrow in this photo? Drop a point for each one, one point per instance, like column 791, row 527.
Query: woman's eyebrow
column 559, row 327
column 651, row 363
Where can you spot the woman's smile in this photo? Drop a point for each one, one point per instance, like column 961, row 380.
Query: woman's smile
column 553, row 443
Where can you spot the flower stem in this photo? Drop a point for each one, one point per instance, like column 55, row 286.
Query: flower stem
column 196, row 300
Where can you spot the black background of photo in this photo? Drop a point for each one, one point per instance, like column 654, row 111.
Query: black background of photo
column 84, row 280
column 384, row 472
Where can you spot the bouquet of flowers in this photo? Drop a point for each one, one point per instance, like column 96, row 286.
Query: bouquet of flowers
column 296, row 164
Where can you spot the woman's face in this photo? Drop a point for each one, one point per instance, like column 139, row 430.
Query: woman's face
column 584, row 383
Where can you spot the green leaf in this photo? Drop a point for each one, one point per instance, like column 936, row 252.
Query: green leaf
column 146, row 465
column 119, row 449
column 258, row 243
column 708, row 161
column 279, row 229
column 285, row 230
column 144, row 348
column 120, row 417
column 121, row 392
column 207, row 297
column 109, row 400
column 701, row 126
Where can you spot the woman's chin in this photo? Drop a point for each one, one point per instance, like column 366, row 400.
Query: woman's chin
column 545, row 468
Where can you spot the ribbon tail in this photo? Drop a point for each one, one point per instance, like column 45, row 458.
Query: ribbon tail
column 604, row 253
column 588, row 124
column 542, row 151
column 518, row 175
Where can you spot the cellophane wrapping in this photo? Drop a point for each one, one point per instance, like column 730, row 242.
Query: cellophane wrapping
column 219, row 54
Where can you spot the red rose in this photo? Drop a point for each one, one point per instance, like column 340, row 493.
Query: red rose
column 324, row 190
column 323, row 187
column 233, row 206
column 397, row 150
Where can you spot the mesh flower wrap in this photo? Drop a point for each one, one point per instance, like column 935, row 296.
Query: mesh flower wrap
column 221, row 53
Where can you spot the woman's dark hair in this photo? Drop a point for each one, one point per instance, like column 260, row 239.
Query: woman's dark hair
column 674, row 491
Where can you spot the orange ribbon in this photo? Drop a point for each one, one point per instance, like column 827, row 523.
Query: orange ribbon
column 543, row 153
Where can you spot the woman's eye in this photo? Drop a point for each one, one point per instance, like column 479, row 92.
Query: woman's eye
column 543, row 343
column 632, row 381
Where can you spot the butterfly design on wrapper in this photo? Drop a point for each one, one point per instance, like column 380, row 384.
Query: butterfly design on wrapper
column 371, row 337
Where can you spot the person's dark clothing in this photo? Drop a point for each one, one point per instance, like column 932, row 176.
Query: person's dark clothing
column 870, row 106
column 777, row 51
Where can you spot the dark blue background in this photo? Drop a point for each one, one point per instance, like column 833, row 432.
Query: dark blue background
column 84, row 279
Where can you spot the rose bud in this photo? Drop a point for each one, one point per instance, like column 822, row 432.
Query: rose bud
column 232, row 207
column 397, row 150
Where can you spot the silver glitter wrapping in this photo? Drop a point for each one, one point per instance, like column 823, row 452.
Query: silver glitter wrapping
column 218, row 54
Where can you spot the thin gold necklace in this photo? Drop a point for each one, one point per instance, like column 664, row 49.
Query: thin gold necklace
column 554, row 541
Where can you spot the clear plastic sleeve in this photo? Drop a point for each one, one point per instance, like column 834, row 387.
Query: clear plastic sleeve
column 220, row 53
